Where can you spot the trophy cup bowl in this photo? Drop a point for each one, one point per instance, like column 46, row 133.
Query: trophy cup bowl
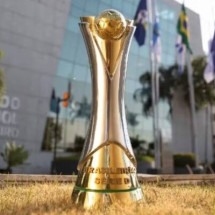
column 107, row 166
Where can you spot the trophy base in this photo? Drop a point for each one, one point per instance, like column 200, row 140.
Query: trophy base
column 101, row 199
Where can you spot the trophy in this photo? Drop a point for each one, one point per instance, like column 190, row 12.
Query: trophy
column 107, row 166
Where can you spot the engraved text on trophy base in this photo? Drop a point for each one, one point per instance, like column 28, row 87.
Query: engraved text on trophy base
column 103, row 170
column 112, row 181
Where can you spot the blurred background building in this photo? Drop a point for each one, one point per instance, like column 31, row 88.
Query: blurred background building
column 44, row 49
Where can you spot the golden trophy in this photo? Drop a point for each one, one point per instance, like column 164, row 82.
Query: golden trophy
column 107, row 166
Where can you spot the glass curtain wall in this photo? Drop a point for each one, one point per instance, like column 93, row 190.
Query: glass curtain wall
column 74, row 66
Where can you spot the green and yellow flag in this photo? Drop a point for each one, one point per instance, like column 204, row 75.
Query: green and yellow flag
column 182, row 28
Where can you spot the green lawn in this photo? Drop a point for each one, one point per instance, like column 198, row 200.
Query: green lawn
column 54, row 198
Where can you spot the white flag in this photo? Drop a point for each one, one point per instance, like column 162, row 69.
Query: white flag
column 180, row 54
column 156, row 41
column 209, row 74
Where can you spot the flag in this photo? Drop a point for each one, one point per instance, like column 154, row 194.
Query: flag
column 182, row 28
column 140, row 21
column 180, row 54
column 67, row 98
column 209, row 73
column 156, row 42
column 182, row 43
column 54, row 106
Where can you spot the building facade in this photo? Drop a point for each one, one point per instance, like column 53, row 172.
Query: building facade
column 44, row 50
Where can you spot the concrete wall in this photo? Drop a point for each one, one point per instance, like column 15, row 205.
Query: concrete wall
column 182, row 142
column 181, row 121
column 31, row 34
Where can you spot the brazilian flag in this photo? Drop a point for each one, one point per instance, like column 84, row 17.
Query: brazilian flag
column 182, row 28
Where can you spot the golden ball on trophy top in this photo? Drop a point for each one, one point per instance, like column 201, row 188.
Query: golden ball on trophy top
column 110, row 25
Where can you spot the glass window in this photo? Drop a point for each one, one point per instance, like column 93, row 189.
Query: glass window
column 79, row 3
column 74, row 63
column 69, row 48
column 143, row 65
column 64, row 69
column 78, row 90
column 171, row 59
column 131, row 86
column 127, row 10
column 88, row 92
column 88, row 76
column 147, row 135
column 103, row 6
column 92, row 7
column 117, row 4
column 132, row 105
column 164, row 109
column 132, row 63
column 81, row 53
column 61, row 84
column 72, row 25
column 134, row 46
column 80, row 73
column 147, row 123
column 76, row 12
column 69, row 25
column 144, row 51
column 165, row 124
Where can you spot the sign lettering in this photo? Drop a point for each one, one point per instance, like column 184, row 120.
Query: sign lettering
column 8, row 106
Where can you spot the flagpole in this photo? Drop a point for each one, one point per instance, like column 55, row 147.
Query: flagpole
column 154, row 90
column 194, row 146
column 211, row 126
column 207, row 121
column 57, row 111
column 53, row 169
column 157, row 94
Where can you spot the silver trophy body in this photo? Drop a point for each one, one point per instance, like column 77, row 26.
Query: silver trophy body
column 107, row 167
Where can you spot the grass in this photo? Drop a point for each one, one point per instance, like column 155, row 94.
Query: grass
column 54, row 199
